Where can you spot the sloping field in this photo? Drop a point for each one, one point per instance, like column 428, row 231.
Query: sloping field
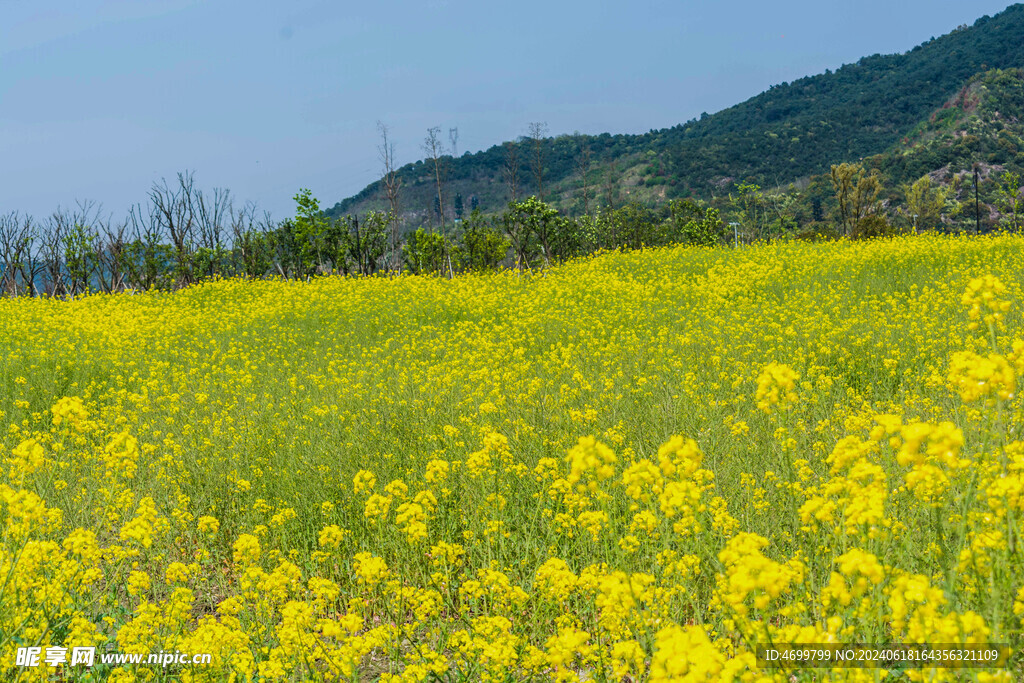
column 637, row 466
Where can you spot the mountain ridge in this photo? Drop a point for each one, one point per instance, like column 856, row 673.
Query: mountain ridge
column 792, row 131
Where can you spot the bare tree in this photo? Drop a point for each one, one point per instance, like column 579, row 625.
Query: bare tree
column 510, row 169
column 367, row 241
column 211, row 215
column 432, row 146
column 31, row 264
column 446, row 169
column 146, row 261
column 537, row 132
column 243, row 238
column 82, row 245
column 6, row 221
column 54, row 233
column 112, row 255
column 392, row 183
column 12, row 248
column 22, row 266
column 176, row 209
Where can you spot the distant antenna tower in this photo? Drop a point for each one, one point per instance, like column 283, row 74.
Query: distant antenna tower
column 453, row 137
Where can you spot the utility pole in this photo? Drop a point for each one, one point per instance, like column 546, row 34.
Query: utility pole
column 432, row 146
column 453, row 138
column 977, row 210
column 537, row 133
column 510, row 170
column 736, row 233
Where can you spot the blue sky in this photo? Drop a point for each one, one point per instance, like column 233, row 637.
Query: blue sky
column 100, row 99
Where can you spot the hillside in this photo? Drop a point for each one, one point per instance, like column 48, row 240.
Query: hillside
column 982, row 123
column 788, row 133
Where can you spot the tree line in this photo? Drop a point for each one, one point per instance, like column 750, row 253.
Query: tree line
column 856, row 200
column 182, row 235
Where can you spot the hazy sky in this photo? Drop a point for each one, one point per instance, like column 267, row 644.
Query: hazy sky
column 100, row 99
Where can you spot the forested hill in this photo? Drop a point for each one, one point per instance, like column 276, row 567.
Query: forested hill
column 791, row 131
column 982, row 124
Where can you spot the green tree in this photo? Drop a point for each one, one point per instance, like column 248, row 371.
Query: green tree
column 336, row 244
column 1011, row 204
column 481, row 245
column 636, row 226
column 566, row 239
column 856, row 195
column 606, row 229
column 530, row 224
column 542, row 220
column 925, row 202
column 367, row 241
column 588, row 233
column 748, row 207
column 310, row 228
column 209, row 261
column 80, row 257
column 427, row 253
column 254, row 253
column 150, row 263
column 692, row 223
column 286, row 250
column 780, row 213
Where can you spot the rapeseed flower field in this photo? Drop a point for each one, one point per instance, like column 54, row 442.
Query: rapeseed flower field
column 636, row 466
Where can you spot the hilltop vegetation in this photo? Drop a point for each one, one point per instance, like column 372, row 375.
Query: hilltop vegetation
column 982, row 123
column 785, row 135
